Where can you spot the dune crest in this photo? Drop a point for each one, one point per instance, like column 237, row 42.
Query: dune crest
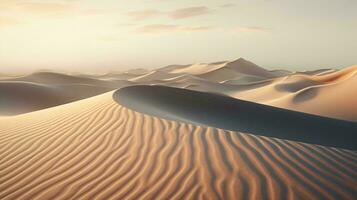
column 98, row 149
column 329, row 94
column 307, row 91
column 232, row 114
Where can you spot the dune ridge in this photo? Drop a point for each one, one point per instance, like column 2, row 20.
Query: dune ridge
column 97, row 149
column 224, row 112
column 307, row 91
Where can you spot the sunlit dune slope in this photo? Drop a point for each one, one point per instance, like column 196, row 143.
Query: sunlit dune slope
column 237, row 115
column 98, row 149
column 332, row 94
column 325, row 92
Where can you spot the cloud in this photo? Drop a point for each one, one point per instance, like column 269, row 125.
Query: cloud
column 251, row 29
column 93, row 12
column 38, row 7
column 165, row 28
column 157, row 28
column 47, row 8
column 110, row 38
column 227, row 5
column 188, row 12
column 174, row 14
column 196, row 28
column 143, row 14
column 126, row 24
column 7, row 21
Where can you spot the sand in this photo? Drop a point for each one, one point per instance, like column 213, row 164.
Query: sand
column 223, row 130
column 97, row 149
column 42, row 90
column 308, row 91
column 214, row 110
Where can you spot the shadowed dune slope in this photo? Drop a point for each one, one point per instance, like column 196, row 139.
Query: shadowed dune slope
column 43, row 90
column 58, row 78
column 308, row 92
column 98, row 149
column 21, row 97
column 237, row 115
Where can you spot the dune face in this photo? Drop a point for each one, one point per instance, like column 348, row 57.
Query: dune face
column 328, row 94
column 98, row 149
column 232, row 114
column 307, row 91
column 222, row 130
column 14, row 98
column 21, row 97
column 46, row 89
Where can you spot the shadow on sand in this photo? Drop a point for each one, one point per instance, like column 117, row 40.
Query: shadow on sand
column 237, row 115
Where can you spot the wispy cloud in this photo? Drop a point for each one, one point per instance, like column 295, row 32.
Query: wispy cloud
column 157, row 28
column 8, row 21
column 227, row 5
column 93, row 12
column 38, row 7
column 143, row 14
column 110, row 38
column 165, row 28
column 174, row 14
column 251, row 29
column 126, row 24
column 189, row 12
column 46, row 8
column 196, row 28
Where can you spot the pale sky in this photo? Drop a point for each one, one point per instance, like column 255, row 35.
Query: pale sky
column 103, row 35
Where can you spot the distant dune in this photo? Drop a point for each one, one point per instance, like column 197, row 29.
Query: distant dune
column 46, row 89
column 308, row 91
column 328, row 94
column 97, row 149
column 222, row 130
column 21, row 97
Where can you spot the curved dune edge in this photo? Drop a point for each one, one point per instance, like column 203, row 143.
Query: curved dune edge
column 24, row 97
column 308, row 92
column 98, row 149
column 224, row 112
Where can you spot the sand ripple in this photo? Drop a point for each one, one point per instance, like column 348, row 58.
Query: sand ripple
column 97, row 149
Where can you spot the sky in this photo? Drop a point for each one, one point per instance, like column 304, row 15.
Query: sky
column 114, row 35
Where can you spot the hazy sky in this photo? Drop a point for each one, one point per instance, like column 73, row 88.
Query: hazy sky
column 101, row 35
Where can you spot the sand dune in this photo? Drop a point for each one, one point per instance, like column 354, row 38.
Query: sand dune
column 308, row 91
column 21, row 97
column 153, row 76
column 246, row 67
column 240, row 65
column 335, row 99
column 244, row 79
column 15, row 99
column 232, row 114
column 98, row 149
column 231, row 70
column 330, row 94
column 198, row 69
column 58, row 78
column 43, row 90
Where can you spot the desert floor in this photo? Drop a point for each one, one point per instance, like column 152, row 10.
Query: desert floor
column 225, row 130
